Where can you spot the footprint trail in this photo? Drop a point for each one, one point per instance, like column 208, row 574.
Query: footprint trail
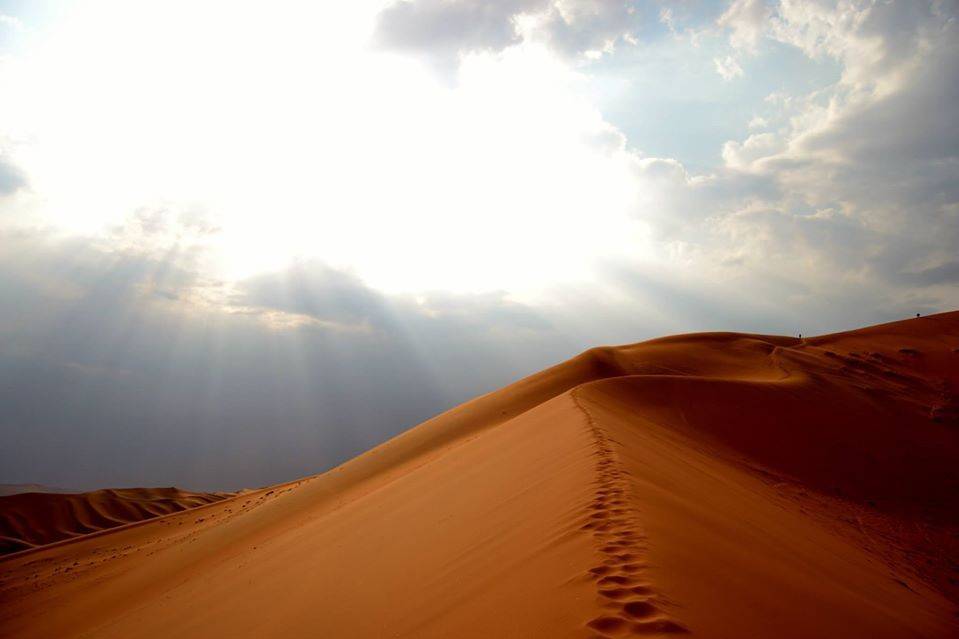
column 631, row 608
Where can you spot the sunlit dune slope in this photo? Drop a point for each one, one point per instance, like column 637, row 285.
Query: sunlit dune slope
column 718, row 485
column 35, row 519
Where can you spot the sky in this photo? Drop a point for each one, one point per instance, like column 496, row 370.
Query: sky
column 241, row 243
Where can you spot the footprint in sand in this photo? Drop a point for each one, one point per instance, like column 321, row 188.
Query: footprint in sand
column 632, row 611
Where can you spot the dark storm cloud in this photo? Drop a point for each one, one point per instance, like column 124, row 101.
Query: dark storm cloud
column 115, row 371
column 686, row 301
column 315, row 290
column 947, row 273
column 106, row 381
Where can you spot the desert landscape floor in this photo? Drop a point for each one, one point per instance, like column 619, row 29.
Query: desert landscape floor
column 716, row 485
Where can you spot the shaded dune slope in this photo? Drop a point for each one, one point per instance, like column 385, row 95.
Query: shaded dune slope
column 17, row 489
column 718, row 485
column 35, row 519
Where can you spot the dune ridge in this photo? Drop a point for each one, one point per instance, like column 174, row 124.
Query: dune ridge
column 716, row 484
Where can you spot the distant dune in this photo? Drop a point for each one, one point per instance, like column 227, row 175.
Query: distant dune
column 718, row 485
column 16, row 489
column 30, row 519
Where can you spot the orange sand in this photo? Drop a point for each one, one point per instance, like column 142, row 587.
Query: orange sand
column 721, row 485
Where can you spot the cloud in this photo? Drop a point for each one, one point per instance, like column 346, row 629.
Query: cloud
column 728, row 68
column 12, row 178
column 852, row 181
column 758, row 145
column 866, row 169
column 945, row 273
column 875, row 42
column 210, row 391
column 317, row 291
column 10, row 22
column 124, row 356
column 746, row 21
column 847, row 190
column 443, row 30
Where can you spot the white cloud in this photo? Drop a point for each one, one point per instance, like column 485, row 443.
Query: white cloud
column 12, row 178
column 444, row 31
column 746, row 20
column 11, row 22
column 310, row 146
column 667, row 18
column 866, row 169
column 728, row 68
column 741, row 155
column 371, row 164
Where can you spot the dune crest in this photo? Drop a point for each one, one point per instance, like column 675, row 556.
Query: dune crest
column 716, row 485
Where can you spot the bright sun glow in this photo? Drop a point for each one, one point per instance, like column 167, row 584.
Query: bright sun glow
column 299, row 140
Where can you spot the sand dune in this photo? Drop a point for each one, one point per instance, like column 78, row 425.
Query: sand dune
column 717, row 485
column 16, row 489
column 31, row 519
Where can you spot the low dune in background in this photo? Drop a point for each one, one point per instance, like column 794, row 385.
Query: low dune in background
column 718, row 485
column 16, row 489
column 29, row 519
